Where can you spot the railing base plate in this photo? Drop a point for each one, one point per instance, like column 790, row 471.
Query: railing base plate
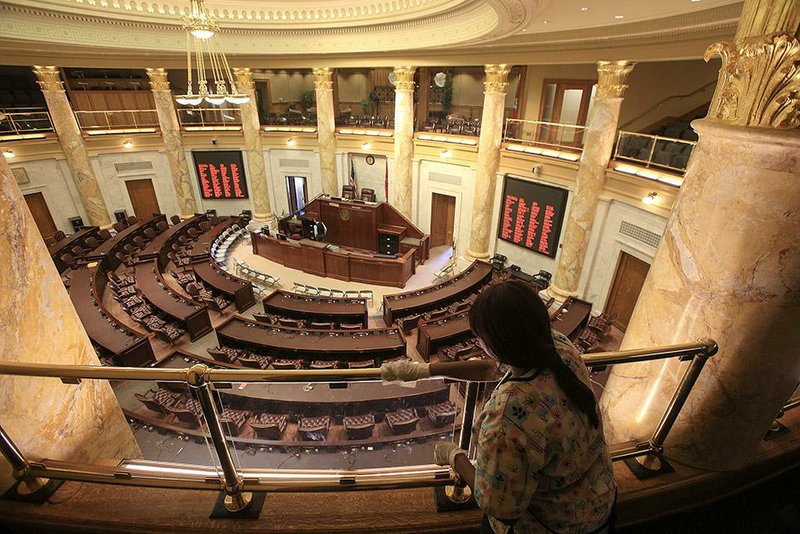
column 643, row 473
column 253, row 511
column 776, row 430
column 444, row 504
column 39, row 496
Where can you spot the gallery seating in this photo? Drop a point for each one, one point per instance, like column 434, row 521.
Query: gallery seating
column 402, row 421
column 269, row 426
column 359, row 426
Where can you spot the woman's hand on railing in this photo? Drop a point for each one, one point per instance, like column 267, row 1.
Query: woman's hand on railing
column 472, row 370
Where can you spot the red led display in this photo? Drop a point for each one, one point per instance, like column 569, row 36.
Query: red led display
column 221, row 174
column 531, row 215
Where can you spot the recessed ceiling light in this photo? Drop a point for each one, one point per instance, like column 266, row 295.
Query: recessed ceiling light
column 619, row 17
column 127, row 144
column 545, row 22
column 524, row 29
column 584, row 8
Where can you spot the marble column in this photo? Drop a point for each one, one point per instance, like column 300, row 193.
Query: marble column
column 38, row 324
column 251, row 130
column 173, row 141
column 326, row 129
column 403, row 138
column 728, row 266
column 71, row 140
column 494, row 99
column 598, row 144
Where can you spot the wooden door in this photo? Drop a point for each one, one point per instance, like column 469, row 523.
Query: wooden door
column 143, row 198
column 41, row 214
column 628, row 281
column 443, row 217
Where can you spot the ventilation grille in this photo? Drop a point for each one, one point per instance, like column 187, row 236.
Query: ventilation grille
column 134, row 166
column 295, row 163
column 640, row 234
column 444, row 178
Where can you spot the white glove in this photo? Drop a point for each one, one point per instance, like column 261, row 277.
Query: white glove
column 406, row 370
column 446, row 452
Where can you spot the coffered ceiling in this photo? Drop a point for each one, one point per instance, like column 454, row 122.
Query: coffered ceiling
column 352, row 32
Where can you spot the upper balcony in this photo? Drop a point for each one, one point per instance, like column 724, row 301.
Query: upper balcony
column 18, row 124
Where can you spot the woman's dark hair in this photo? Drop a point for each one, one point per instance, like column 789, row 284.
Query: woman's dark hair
column 513, row 322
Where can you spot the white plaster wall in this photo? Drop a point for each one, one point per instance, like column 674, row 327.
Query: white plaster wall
column 607, row 243
column 372, row 176
column 112, row 183
column 531, row 262
column 286, row 162
column 447, row 179
column 46, row 176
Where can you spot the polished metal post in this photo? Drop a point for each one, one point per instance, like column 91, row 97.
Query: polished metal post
column 19, row 465
column 459, row 492
column 236, row 500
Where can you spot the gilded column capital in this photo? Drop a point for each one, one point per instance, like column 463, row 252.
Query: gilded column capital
column 404, row 78
column 244, row 80
column 158, row 79
column 611, row 78
column 763, row 17
column 496, row 78
column 759, row 82
column 49, row 78
column 323, row 78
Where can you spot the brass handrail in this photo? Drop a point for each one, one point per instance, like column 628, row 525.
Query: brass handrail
column 655, row 139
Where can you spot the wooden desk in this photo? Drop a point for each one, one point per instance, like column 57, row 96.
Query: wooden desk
column 159, row 246
column 436, row 296
column 85, row 291
column 283, row 342
column 202, row 246
column 108, row 250
column 572, row 317
column 317, row 309
column 442, row 332
column 316, row 258
column 65, row 245
column 234, row 288
column 192, row 317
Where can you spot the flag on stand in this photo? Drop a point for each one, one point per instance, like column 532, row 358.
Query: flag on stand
column 353, row 176
column 386, row 181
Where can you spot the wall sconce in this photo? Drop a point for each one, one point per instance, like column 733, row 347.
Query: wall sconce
column 8, row 153
column 290, row 141
column 444, row 154
column 365, row 146
column 127, row 144
column 651, row 198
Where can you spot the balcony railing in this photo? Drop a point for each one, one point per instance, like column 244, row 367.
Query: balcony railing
column 568, row 137
column 200, row 119
column 228, row 475
column 654, row 150
column 22, row 123
column 118, row 121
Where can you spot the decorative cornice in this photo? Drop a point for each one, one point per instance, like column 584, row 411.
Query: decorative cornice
column 244, row 80
column 759, row 82
column 611, row 78
column 49, row 78
column 323, row 78
column 158, row 79
column 404, row 78
column 496, row 78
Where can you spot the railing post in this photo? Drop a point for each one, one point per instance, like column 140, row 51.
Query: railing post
column 20, row 466
column 236, row 500
column 459, row 492
column 652, row 151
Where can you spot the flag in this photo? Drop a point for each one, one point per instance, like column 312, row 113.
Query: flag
column 353, row 176
column 386, row 181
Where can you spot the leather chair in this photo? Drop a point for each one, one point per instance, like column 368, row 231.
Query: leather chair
column 314, row 428
column 403, row 421
column 359, row 426
column 269, row 426
column 442, row 414
column 348, row 192
column 368, row 194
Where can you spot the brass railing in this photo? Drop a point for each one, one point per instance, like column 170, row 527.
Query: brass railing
column 654, row 150
column 238, row 483
column 216, row 118
column 118, row 121
column 15, row 122
column 548, row 134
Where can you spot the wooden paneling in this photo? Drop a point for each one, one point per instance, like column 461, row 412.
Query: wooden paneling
column 41, row 214
column 443, row 216
column 350, row 225
column 143, row 198
column 628, row 281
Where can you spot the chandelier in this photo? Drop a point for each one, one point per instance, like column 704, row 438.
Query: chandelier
column 201, row 27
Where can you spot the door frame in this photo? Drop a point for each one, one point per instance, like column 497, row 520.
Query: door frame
column 59, row 218
column 46, row 205
column 127, row 195
column 430, row 223
column 428, row 187
column 635, row 253
column 562, row 84
column 305, row 187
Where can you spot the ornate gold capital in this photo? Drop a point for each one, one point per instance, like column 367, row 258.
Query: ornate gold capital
column 158, row 79
column 49, row 78
column 611, row 78
column 496, row 78
column 244, row 80
column 404, row 78
column 323, row 78
column 759, row 82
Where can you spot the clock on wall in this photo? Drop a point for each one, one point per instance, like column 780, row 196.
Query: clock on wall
column 370, row 160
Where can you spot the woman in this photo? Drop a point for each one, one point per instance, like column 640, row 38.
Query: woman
column 542, row 464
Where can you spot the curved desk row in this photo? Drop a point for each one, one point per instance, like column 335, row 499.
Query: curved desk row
column 317, row 309
column 442, row 332
column 159, row 246
column 65, row 245
column 86, row 287
column 234, row 288
column 319, row 259
column 192, row 317
column 107, row 251
column 202, row 246
column 284, row 342
column 437, row 296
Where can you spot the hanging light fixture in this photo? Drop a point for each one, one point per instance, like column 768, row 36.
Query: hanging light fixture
column 201, row 28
